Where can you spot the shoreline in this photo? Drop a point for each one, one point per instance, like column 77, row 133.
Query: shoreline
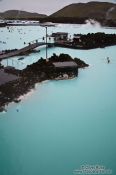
column 79, row 41
column 109, row 24
column 38, row 72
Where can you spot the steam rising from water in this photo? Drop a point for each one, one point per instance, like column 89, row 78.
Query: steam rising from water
column 108, row 14
column 88, row 24
column 92, row 22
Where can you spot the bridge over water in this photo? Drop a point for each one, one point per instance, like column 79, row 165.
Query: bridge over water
column 31, row 46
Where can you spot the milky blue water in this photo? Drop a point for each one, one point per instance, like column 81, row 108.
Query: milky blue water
column 62, row 125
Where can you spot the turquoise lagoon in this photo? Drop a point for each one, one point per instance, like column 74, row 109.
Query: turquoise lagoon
column 61, row 125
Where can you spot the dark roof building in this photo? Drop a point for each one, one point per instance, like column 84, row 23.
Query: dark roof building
column 65, row 69
column 66, row 64
column 60, row 36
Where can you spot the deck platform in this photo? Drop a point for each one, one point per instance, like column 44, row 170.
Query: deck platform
column 24, row 50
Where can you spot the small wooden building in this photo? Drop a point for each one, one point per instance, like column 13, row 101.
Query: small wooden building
column 60, row 36
column 68, row 67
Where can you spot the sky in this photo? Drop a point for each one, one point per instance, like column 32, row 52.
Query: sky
column 40, row 6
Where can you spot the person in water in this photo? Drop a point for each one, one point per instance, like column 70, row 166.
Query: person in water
column 108, row 60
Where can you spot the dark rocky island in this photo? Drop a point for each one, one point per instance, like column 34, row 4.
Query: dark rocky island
column 94, row 40
column 56, row 68
column 89, row 41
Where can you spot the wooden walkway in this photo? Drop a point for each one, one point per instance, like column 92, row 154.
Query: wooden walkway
column 24, row 50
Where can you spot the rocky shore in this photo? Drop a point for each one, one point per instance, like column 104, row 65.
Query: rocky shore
column 94, row 40
column 89, row 41
column 38, row 72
